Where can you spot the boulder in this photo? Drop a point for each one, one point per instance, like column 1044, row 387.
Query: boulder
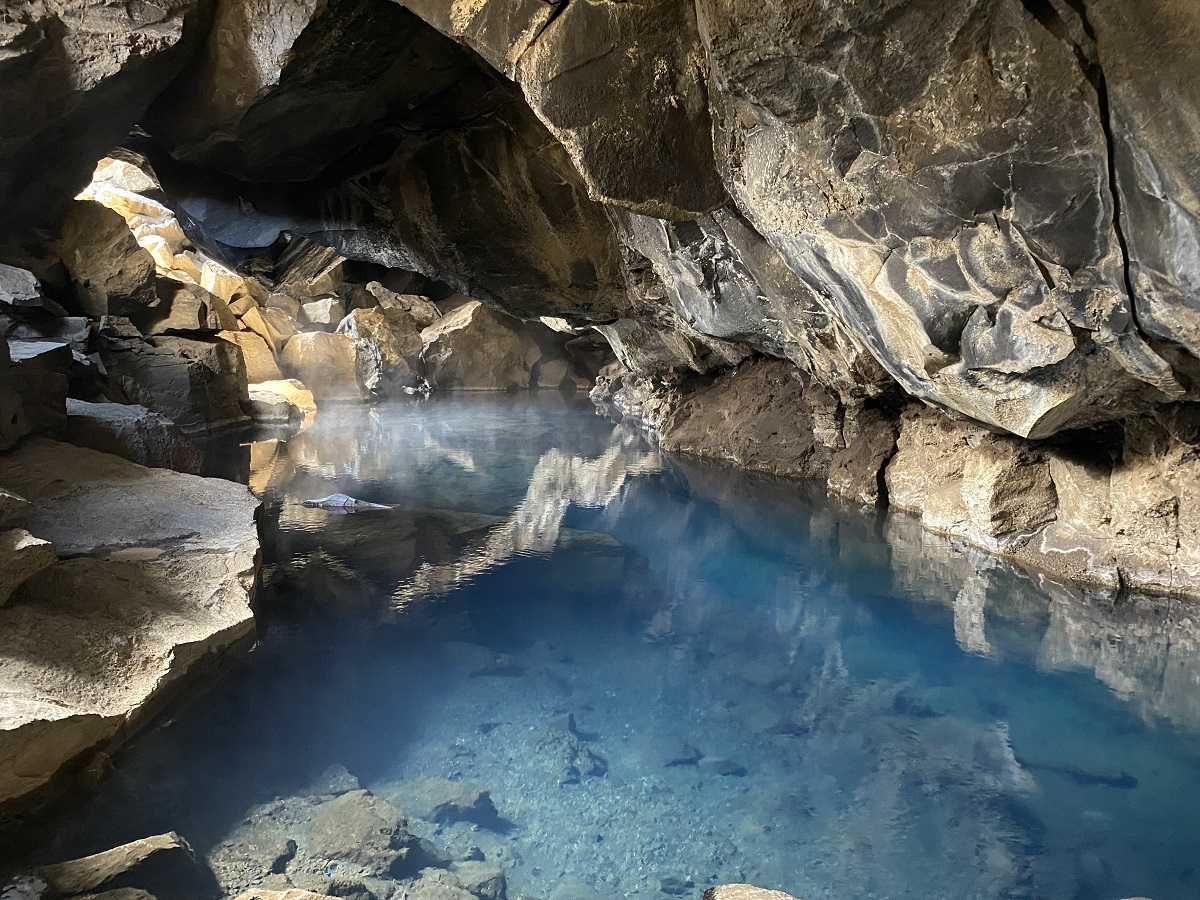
column 273, row 325
column 475, row 348
column 153, row 586
column 40, row 375
column 363, row 831
column 133, row 433
column 257, row 356
column 441, row 800
column 182, row 307
column 324, row 362
column 111, row 273
column 14, row 510
column 200, row 385
column 420, row 308
column 387, row 351
column 270, row 403
column 164, row 865
column 21, row 557
column 326, row 311
column 19, row 287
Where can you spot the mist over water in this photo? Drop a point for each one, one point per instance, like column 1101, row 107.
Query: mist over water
column 671, row 675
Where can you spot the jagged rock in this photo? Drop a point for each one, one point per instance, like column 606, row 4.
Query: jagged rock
column 387, row 350
column 40, row 376
column 763, row 417
column 21, row 557
column 437, row 885
column 259, row 360
column 110, row 272
column 133, row 433
column 76, row 76
column 290, row 894
column 285, row 303
column 420, row 308
column 19, row 287
column 325, row 311
column 273, row 325
column 155, row 582
column 962, row 480
column 200, row 385
column 182, row 307
column 164, row 865
column 485, row 880
column 936, row 199
column 364, row 831
column 324, row 362
column 442, row 800
column 475, row 348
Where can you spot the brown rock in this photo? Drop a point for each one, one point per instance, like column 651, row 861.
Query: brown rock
column 164, row 865
column 111, row 273
column 257, row 356
column 387, row 350
column 181, row 307
column 324, row 362
column 475, row 348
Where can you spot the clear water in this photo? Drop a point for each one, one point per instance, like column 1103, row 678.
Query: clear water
column 880, row 713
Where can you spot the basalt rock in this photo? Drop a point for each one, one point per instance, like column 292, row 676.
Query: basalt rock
column 259, row 360
column 110, row 272
column 475, row 348
column 154, row 580
column 387, row 351
column 133, row 433
column 324, row 362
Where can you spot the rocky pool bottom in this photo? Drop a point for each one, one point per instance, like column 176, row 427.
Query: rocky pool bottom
column 566, row 666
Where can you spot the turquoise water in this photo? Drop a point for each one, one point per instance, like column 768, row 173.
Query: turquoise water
column 781, row 690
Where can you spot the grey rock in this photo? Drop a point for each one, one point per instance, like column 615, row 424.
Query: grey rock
column 343, row 502
column 442, row 800
column 157, row 583
column 19, row 287
column 40, row 376
column 387, row 351
column 133, row 433
column 21, row 557
column 476, row 348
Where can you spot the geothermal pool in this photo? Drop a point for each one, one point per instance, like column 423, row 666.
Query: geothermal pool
column 668, row 676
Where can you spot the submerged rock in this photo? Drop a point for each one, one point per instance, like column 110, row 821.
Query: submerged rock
column 164, row 865
column 442, row 800
column 744, row 892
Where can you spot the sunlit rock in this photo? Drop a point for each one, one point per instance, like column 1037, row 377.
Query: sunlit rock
column 257, row 356
column 155, row 578
column 21, row 557
column 164, row 864
column 475, row 348
column 110, row 271
column 324, row 362
column 387, row 351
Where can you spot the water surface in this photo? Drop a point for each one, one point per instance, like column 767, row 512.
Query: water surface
column 781, row 690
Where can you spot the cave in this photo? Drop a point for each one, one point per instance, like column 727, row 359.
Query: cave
column 566, row 449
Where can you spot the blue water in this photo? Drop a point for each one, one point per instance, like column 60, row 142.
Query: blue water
column 853, row 708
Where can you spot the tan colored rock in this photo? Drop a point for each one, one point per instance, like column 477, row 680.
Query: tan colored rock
column 294, row 392
column 132, row 432
column 475, row 348
column 21, row 557
column 420, row 308
column 285, row 302
column 744, row 892
column 273, row 325
column 281, row 402
column 182, row 307
column 324, row 363
column 156, row 584
column 164, row 864
column 257, row 356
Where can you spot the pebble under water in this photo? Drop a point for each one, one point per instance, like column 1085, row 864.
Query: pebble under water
column 668, row 675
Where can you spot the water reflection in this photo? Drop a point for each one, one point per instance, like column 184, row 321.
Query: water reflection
column 783, row 690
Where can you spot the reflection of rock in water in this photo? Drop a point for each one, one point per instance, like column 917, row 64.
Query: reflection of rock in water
column 558, row 481
column 969, row 625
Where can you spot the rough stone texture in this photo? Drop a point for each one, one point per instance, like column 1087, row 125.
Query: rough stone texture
column 324, row 362
column 387, row 351
column 200, row 385
column 259, row 360
column 947, row 191
column 14, row 424
column 281, row 402
column 326, row 311
column 273, row 325
column 40, row 375
column 179, row 307
column 599, row 67
column 19, row 287
column 163, row 864
column 475, row 348
column 111, row 273
column 157, row 577
column 21, row 557
column 74, row 78
column 133, row 433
